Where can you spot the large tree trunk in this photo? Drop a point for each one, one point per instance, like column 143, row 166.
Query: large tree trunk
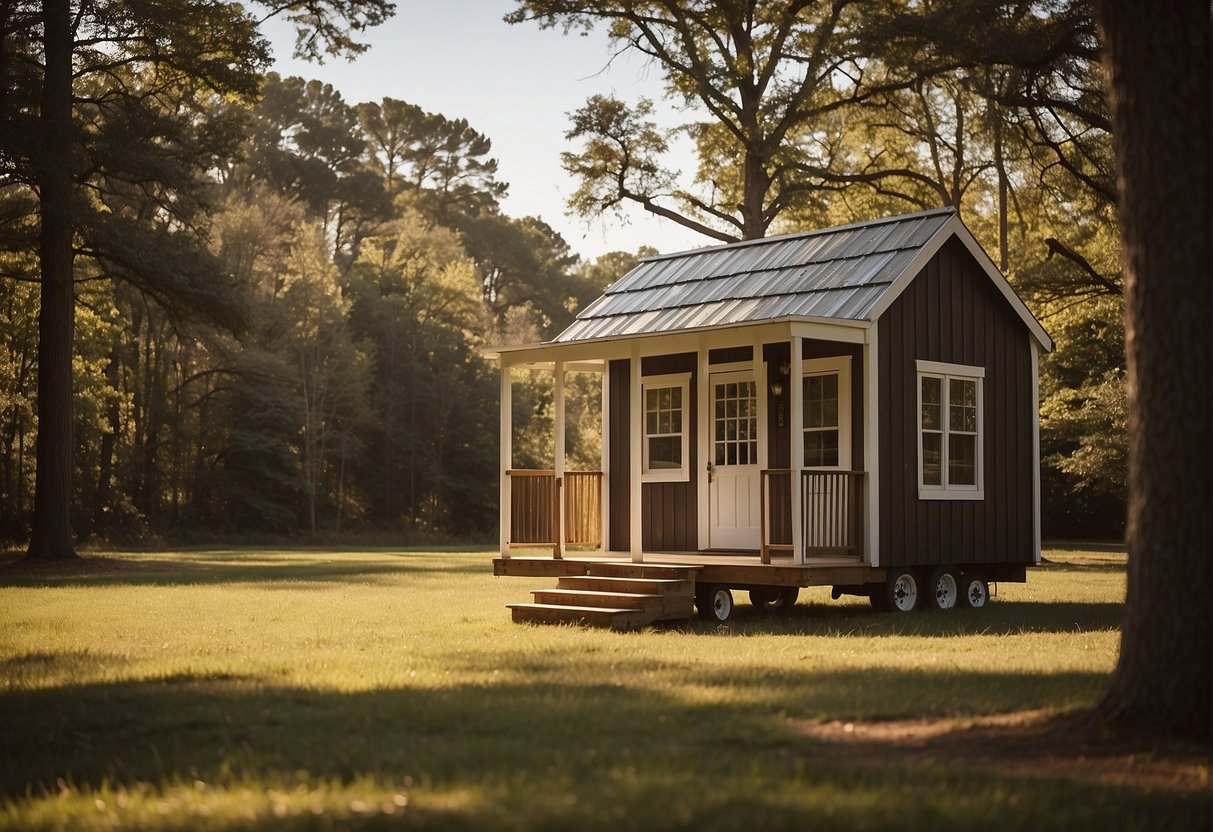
column 1157, row 67
column 51, row 535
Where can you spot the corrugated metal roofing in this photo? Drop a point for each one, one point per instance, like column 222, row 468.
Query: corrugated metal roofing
column 838, row 273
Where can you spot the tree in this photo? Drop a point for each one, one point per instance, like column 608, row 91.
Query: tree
column 760, row 71
column 110, row 54
column 1157, row 62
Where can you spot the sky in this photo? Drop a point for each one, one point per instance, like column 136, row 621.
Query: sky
column 515, row 85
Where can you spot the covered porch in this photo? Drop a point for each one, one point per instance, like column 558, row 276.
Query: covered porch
column 747, row 443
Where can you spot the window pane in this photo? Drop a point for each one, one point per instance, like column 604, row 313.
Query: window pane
column 676, row 397
column 650, row 423
column 719, row 453
column 829, row 446
column 962, row 459
column 663, row 422
column 731, row 453
column 962, row 399
column 665, row 452
column 812, row 449
column 650, row 399
column 932, row 445
column 676, row 422
column 931, row 404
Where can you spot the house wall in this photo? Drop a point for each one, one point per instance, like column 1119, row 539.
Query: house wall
column 669, row 510
column 952, row 313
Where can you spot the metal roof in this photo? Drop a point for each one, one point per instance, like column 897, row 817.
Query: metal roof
column 850, row 273
column 835, row 273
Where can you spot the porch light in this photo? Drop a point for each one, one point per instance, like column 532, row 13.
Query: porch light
column 777, row 382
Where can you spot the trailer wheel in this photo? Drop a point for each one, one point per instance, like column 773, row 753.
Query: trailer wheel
column 943, row 589
column 715, row 603
column 902, row 591
column 785, row 598
column 765, row 598
column 975, row 592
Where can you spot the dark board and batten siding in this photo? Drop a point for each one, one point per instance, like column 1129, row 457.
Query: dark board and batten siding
column 669, row 510
column 952, row 313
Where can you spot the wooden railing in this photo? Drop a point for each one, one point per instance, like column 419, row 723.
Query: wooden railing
column 830, row 516
column 534, row 516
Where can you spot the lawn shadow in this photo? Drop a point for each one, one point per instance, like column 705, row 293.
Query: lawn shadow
column 271, row 567
column 567, row 754
column 841, row 620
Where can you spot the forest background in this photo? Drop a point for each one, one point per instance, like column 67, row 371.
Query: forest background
column 281, row 296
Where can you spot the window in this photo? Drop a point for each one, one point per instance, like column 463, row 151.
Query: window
column 949, row 431
column 826, row 395
column 666, row 405
column 735, row 407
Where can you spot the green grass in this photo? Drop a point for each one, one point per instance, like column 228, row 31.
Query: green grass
column 317, row 690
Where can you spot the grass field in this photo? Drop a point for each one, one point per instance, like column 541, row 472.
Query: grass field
column 318, row 690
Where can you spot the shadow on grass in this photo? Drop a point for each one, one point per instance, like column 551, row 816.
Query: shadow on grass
column 269, row 567
column 570, row 755
column 839, row 619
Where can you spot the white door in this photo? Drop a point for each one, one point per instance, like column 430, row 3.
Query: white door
column 733, row 473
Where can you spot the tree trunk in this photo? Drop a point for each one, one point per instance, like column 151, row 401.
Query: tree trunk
column 1157, row 65
column 51, row 535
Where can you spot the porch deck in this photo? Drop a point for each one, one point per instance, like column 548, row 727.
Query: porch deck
column 729, row 568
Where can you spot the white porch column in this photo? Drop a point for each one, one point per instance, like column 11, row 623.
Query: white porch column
column 871, row 447
column 605, row 465
column 703, row 456
column 558, row 458
column 796, row 428
column 635, row 457
column 507, row 455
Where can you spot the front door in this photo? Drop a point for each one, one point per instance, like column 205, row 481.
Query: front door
column 733, row 473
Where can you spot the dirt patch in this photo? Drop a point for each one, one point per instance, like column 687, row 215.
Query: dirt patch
column 1025, row 744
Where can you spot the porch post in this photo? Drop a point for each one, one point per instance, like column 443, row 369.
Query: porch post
column 635, row 457
column 605, row 465
column 558, row 462
column 871, row 446
column 507, row 455
column 703, row 456
column 796, row 429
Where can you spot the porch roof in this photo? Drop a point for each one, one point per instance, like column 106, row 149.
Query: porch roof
column 845, row 274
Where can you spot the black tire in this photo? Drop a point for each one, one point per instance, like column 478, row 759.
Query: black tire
column 765, row 598
column 974, row 592
column 785, row 598
column 714, row 603
column 942, row 589
column 902, row 591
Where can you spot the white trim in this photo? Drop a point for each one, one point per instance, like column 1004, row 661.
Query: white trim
column 946, row 373
column 704, row 451
column 507, row 456
column 795, row 421
column 940, row 368
column 871, row 445
column 558, row 440
column 741, row 334
column 683, row 473
column 635, row 501
column 760, row 400
column 605, row 463
column 1035, row 450
column 840, row 364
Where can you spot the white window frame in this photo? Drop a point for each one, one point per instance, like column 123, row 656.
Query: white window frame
column 840, row 364
column 946, row 373
column 682, row 474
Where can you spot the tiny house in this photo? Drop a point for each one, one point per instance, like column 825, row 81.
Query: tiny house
column 854, row 407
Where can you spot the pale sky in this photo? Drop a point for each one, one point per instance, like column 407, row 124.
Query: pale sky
column 512, row 83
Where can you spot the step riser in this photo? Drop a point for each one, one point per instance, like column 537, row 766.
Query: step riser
column 631, row 585
column 639, row 570
column 616, row 621
column 637, row 602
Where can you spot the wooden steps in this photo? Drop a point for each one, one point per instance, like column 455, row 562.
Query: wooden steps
column 621, row 596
